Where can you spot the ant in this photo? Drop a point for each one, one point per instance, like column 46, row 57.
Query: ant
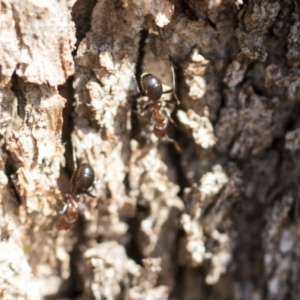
column 151, row 87
column 82, row 179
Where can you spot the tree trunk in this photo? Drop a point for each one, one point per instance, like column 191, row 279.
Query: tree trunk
column 210, row 211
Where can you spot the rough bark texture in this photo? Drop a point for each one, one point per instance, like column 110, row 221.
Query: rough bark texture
column 216, row 219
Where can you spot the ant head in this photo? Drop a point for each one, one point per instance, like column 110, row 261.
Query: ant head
column 152, row 87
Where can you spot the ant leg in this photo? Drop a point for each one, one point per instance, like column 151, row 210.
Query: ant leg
column 172, row 101
column 144, row 110
column 160, row 33
column 94, row 185
column 138, row 85
column 89, row 194
column 168, row 114
column 297, row 206
column 66, row 203
column 168, row 139
column 168, row 91
column 64, row 209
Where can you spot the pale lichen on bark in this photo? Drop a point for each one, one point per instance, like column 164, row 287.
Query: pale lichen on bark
column 213, row 215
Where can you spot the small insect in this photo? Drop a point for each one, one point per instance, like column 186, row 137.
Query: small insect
column 82, row 179
column 152, row 88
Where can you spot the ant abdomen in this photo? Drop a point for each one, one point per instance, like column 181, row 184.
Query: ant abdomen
column 152, row 87
column 82, row 180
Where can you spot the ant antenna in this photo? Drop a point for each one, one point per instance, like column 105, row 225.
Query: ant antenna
column 174, row 86
column 173, row 89
column 74, row 156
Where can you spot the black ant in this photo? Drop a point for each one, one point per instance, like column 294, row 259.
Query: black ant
column 151, row 87
column 82, row 179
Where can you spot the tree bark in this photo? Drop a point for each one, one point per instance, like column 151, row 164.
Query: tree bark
column 209, row 212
